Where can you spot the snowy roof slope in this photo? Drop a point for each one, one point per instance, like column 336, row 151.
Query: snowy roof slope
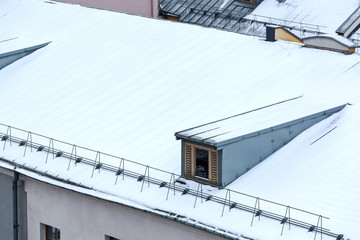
column 124, row 85
column 251, row 123
column 328, row 13
column 13, row 45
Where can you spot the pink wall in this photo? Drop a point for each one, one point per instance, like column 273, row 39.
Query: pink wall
column 148, row 8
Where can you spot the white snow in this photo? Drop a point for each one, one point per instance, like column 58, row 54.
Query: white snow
column 14, row 44
column 267, row 117
column 342, row 40
column 328, row 13
column 124, row 85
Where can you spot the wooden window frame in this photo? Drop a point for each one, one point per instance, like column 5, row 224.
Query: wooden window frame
column 190, row 163
column 57, row 233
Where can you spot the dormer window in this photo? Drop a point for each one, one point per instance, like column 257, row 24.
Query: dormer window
column 201, row 163
column 219, row 152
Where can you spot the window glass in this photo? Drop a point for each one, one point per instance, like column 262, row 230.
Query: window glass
column 202, row 163
column 110, row 238
column 52, row 233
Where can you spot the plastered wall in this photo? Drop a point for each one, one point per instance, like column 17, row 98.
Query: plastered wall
column 80, row 216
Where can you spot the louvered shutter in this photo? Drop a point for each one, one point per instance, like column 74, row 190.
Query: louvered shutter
column 214, row 167
column 188, row 161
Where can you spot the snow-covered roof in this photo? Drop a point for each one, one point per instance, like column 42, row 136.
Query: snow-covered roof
column 258, row 121
column 11, row 46
column 342, row 40
column 14, row 49
column 123, row 85
column 328, row 15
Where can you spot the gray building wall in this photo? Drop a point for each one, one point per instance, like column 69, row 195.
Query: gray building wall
column 80, row 216
column 6, row 206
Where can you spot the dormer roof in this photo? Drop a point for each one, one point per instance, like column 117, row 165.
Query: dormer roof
column 258, row 121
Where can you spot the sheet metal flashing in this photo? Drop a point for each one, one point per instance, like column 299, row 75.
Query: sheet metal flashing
column 22, row 50
column 14, row 49
column 219, row 144
column 346, row 25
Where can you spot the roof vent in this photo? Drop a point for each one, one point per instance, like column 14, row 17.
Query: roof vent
column 274, row 32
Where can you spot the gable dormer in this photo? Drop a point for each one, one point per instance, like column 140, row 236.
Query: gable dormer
column 219, row 152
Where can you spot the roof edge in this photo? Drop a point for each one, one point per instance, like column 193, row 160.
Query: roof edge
column 333, row 38
column 283, row 125
column 178, row 135
column 27, row 49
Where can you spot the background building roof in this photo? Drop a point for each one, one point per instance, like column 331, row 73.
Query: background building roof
column 304, row 17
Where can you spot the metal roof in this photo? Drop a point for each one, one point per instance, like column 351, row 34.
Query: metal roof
column 14, row 48
column 349, row 21
column 257, row 121
column 220, row 14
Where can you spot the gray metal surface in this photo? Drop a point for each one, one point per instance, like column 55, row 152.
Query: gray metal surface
column 208, row 13
column 240, row 157
column 12, row 56
column 349, row 22
column 254, row 123
column 240, row 153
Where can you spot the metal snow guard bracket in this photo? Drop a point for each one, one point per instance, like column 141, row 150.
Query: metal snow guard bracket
column 172, row 184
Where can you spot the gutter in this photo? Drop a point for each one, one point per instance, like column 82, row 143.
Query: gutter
column 15, row 205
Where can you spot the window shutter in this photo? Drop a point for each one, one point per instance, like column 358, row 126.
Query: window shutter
column 214, row 167
column 188, row 161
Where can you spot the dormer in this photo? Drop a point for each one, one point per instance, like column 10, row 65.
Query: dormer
column 14, row 49
column 219, row 152
column 331, row 43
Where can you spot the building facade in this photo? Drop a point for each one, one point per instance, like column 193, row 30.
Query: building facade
column 146, row 8
column 47, row 211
